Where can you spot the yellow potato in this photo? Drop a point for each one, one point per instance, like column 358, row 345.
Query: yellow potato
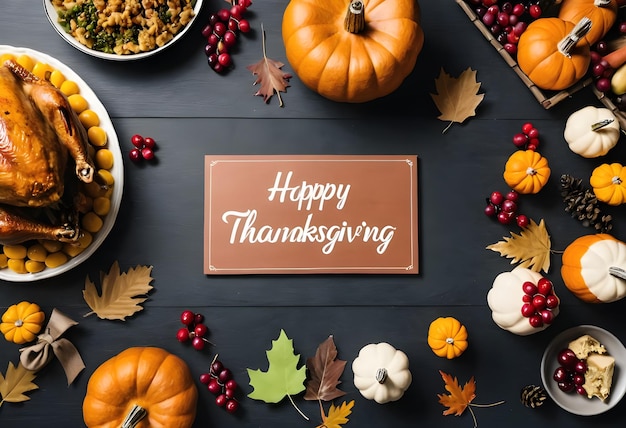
column 15, row 251
column 26, row 62
column 56, row 259
column 104, row 159
column 33, row 266
column 78, row 103
column 69, row 87
column 89, row 118
column 37, row 252
column 97, row 136
column 57, row 78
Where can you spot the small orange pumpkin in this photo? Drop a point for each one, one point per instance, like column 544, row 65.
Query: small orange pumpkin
column 21, row 322
column 594, row 268
column 526, row 171
column 551, row 56
column 608, row 182
column 602, row 14
column 353, row 51
column 447, row 337
column 148, row 383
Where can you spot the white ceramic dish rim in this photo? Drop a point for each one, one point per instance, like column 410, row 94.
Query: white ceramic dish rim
column 117, row 171
column 52, row 15
column 572, row 402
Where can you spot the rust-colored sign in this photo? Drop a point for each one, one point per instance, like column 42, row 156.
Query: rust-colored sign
column 310, row 214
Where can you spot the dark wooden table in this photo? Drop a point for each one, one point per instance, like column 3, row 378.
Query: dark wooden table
column 192, row 111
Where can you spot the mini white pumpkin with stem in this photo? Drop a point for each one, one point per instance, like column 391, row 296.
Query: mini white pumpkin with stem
column 381, row 372
column 591, row 131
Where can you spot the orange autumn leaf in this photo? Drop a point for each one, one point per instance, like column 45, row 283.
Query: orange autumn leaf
column 459, row 398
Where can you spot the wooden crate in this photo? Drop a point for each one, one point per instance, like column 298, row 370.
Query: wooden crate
column 546, row 98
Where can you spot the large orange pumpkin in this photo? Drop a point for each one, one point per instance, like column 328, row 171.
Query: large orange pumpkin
column 149, row 384
column 541, row 54
column 602, row 14
column 352, row 51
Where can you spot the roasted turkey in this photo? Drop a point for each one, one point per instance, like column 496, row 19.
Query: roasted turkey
column 41, row 138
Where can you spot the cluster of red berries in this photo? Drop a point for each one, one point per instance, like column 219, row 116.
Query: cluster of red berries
column 221, row 34
column 504, row 208
column 194, row 330
column 143, row 148
column 219, row 381
column 539, row 302
column 527, row 139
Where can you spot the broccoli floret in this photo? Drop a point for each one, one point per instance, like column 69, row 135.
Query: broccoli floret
column 104, row 42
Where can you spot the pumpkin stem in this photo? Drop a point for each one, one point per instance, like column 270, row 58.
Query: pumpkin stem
column 601, row 124
column 601, row 3
column 617, row 272
column 531, row 171
column 579, row 31
column 355, row 18
column 616, row 180
column 381, row 375
column 133, row 417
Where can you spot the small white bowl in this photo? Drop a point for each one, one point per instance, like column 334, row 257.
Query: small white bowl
column 52, row 15
column 117, row 171
column 571, row 401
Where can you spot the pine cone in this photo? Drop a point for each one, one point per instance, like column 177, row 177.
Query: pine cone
column 583, row 204
column 533, row 396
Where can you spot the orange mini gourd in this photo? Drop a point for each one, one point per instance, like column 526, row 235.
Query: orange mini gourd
column 353, row 51
column 526, row 171
column 447, row 337
column 594, row 268
column 146, row 384
column 551, row 55
column 21, row 322
column 602, row 14
column 608, row 182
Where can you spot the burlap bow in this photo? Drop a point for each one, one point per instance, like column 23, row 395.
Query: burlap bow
column 36, row 356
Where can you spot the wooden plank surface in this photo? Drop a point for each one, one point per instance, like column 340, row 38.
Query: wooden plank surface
column 191, row 111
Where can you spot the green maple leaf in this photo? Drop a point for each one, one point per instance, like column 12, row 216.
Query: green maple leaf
column 283, row 378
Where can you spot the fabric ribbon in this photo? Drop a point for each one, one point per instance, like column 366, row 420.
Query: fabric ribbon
column 49, row 344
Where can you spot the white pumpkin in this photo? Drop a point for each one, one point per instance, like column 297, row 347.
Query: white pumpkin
column 506, row 298
column 592, row 131
column 381, row 372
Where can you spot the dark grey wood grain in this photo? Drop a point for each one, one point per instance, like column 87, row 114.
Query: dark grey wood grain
column 191, row 111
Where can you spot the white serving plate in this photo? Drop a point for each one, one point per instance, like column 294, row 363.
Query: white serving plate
column 52, row 15
column 572, row 402
column 117, row 171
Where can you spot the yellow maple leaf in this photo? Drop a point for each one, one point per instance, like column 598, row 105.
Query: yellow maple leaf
column 531, row 247
column 122, row 293
column 457, row 98
column 336, row 415
column 17, row 381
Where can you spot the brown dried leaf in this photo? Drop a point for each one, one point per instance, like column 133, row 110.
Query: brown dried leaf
column 336, row 415
column 531, row 247
column 270, row 76
column 16, row 382
column 122, row 294
column 457, row 98
column 324, row 370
